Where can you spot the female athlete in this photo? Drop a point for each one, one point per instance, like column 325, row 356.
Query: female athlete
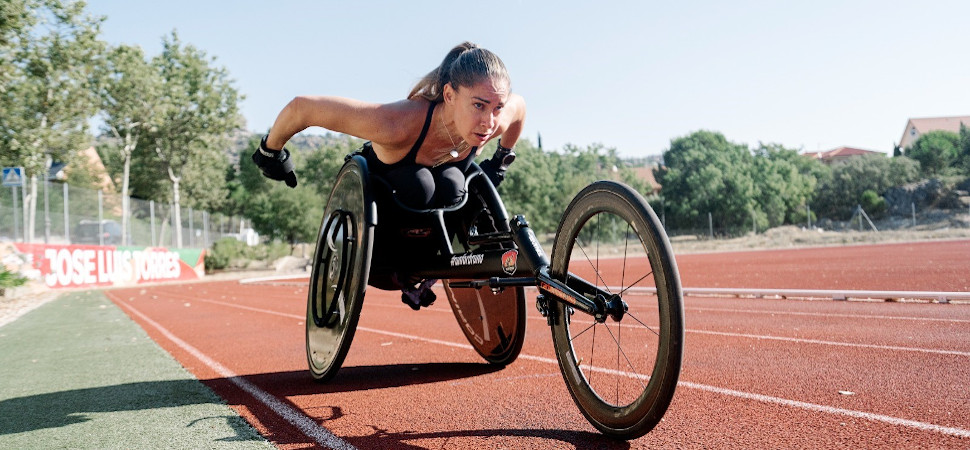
column 421, row 145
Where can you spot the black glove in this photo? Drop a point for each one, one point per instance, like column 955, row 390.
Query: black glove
column 495, row 167
column 275, row 165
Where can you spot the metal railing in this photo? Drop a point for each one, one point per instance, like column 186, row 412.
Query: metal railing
column 65, row 214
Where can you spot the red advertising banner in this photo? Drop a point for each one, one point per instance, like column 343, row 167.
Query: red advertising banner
column 74, row 266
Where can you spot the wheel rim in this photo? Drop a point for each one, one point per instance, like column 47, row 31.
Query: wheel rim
column 340, row 271
column 615, row 360
column 336, row 259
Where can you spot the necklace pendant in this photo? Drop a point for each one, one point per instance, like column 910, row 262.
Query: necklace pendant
column 454, row 153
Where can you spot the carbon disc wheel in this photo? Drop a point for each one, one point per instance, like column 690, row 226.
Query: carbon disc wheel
column 338, row 280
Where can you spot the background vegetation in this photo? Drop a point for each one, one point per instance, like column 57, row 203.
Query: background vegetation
column 169, row 130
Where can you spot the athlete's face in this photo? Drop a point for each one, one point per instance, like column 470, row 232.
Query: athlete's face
column 477, row 109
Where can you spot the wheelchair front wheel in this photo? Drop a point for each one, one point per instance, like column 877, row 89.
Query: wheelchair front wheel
column 339, row 277
column 621, row 371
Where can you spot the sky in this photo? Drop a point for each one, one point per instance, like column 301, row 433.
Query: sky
column 632, row 75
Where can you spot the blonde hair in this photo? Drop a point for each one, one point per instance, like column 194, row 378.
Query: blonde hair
column 463, row 66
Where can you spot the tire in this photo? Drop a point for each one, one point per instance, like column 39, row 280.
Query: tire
column 494, row 324
column 622, row 378
column 341, row 263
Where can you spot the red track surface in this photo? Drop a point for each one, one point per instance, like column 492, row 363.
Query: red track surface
column 758, row 373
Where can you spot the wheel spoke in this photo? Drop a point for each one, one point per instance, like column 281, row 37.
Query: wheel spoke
column 592, row 353
column 582, row 332
column 619, row 338
column 599, row 277
column 636, row 282
column 619, row 350
column 631, row 315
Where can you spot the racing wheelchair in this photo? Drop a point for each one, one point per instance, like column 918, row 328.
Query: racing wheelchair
column 610, row 292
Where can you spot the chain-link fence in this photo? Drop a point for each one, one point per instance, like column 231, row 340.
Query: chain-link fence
column 706, row 225
column 64, row 214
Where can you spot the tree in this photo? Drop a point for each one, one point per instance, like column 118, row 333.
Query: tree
column 705, row 173
column 786, row 183
column 964, row 157
column 319, row 165
column 198, row 110
column 840, row 192
column 532, row 187
column 292, row 215
column 129, row 88
column 937, row 151
column 540, row 184
column 48, row 59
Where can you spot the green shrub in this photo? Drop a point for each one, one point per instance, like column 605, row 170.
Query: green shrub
column 873, row 203
column 10, row 279
column 223, row 252
column 229, row 253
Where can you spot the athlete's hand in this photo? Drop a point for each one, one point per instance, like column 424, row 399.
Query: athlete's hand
column 496, row 166
column 275, row 164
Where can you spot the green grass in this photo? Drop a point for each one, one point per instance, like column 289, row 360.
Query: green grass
column 78, row 373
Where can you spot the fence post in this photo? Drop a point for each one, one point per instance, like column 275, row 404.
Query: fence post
column 23, row 211
column 191, row 228
column 171, row 222
column 913, row 206
column 16, row 214
column 100, row 217
column 67, row 215
column 710, row 226
column 205, row 229
column 126, row 206
column 47, row 209
column 151, row 211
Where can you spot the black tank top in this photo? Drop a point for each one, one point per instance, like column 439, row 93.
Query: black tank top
column 375, row 165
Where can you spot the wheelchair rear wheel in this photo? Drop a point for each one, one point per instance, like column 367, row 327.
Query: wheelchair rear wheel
column 493, row 323
column 622, row 369
column 341, row 263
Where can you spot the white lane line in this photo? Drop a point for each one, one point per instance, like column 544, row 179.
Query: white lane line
column 816, row 314
column 809, row 341
column 305, row 424
column 950, row 431
column 714, row 333
column 835, row 343
column 274, row 278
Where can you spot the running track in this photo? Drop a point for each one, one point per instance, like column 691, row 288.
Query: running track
column 758, row 373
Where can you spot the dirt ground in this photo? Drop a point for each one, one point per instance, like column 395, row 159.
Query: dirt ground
column 795, row 237
column 946, row 227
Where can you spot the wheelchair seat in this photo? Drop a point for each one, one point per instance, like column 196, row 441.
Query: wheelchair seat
column 405, row 236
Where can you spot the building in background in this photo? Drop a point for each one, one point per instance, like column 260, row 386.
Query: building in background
column 840, row 154
column 916, row 127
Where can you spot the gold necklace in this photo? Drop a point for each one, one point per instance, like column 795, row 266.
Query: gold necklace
column 455, row 150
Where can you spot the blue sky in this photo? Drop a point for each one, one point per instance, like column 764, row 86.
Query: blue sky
column 630, row 75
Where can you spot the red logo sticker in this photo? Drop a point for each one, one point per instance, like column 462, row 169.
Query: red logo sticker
column 509, row 260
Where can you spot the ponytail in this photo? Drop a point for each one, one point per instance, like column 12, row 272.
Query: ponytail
column 465, row 65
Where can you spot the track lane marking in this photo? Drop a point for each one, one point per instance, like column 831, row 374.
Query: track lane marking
column 950, row 431
column 815, row 314
column 302, row 422
column 835, row 343
column 923, row 426
column 715, row 333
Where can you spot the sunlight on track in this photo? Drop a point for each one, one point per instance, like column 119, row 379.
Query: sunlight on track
column 923, row 426
column 305, row 424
